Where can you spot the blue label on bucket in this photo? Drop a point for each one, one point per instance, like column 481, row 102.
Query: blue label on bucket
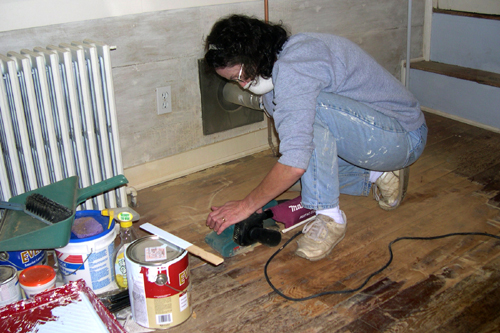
column 23, row 259
column 111, row 249
column 99, row 269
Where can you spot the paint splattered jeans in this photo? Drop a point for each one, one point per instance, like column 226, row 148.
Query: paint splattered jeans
column 351, row 139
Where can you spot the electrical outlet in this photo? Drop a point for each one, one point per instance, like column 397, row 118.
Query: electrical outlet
column 163, row 100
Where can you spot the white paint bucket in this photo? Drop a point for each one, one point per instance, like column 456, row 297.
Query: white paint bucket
column 158, row 283
column 90, row 258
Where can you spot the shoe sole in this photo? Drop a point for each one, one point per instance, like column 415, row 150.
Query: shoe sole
column 323, row 255
column 403, row 187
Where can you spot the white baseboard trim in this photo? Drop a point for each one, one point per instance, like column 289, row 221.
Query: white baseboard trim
column 460, row 119
column 172, row 167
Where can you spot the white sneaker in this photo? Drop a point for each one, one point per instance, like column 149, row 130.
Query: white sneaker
column 390, row 188
column 320, row 237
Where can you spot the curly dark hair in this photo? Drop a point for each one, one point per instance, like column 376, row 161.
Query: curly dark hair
column 240, row 39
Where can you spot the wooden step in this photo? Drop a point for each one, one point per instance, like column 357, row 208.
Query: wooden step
column 469, row 14
column 464, row 73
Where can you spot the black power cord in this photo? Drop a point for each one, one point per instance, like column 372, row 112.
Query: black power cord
column 347, row 291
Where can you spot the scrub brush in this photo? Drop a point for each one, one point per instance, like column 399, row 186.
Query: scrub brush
column 41, row 208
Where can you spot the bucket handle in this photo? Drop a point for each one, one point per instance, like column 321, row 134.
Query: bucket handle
column 161, row 280
column 76, row 270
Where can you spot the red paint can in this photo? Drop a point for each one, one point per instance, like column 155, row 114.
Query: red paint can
column 158, row 282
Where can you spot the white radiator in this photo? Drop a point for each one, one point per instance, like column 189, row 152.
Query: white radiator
column 58, row 119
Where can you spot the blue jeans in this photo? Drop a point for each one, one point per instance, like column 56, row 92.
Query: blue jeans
column 351, row 139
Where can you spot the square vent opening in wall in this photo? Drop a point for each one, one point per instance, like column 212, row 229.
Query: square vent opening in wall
column 217, row 114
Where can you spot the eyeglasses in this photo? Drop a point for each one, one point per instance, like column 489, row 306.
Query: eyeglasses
column 239, row 79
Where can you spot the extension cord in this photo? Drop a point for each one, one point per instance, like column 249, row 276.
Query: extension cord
column 348, row 291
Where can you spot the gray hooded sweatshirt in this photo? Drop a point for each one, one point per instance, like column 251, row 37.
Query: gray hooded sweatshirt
column 310, row 63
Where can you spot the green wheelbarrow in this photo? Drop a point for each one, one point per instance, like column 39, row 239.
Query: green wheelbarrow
column 20, row 231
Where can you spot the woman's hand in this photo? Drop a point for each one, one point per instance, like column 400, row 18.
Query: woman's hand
column 230, row 213
column 278, row 180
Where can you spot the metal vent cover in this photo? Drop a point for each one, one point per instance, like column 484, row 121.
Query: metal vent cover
column 217, row 114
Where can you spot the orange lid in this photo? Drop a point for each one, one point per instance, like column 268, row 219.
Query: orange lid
column 37, row 275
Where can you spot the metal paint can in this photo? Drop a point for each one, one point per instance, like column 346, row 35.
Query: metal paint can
column 10, row 290
column 23, row 259
column 158, row 282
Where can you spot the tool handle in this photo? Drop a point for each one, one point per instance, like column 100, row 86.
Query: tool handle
column 21, row 207
column 11, row 205
column 266, row 236
column 98, row 188
column 210, row 257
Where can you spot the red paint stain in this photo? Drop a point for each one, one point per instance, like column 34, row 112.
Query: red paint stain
column 25, row 316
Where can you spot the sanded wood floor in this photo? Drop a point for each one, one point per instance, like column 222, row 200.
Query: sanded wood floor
column 444, row 285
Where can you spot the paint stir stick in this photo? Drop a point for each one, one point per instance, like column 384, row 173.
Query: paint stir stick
column 191, row 248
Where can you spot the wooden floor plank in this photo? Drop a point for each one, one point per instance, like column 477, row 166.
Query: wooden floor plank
column 449, row 310
column 363, row 232
column 375, row 255
column 442, row 285
column 414, row 305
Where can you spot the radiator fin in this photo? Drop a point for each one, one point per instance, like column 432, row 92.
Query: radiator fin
column 58, row 119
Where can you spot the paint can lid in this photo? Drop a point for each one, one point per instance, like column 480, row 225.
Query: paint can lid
column 152, row 251
column 37, row 275
column 7, row 273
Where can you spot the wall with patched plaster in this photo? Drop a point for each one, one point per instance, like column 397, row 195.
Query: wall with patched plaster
column 161, row 48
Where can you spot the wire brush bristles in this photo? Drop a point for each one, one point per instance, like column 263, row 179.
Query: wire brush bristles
column 47, row 208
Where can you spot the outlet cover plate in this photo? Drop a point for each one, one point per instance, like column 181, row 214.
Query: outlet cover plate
column 164, row 100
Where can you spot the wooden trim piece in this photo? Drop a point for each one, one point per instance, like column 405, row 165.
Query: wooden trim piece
column 183, row 244
column 468, row 14
column 464, row 73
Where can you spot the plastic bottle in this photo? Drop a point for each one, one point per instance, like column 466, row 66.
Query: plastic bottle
column 125, row 216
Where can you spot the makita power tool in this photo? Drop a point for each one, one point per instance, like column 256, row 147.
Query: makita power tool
column 259, row 228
